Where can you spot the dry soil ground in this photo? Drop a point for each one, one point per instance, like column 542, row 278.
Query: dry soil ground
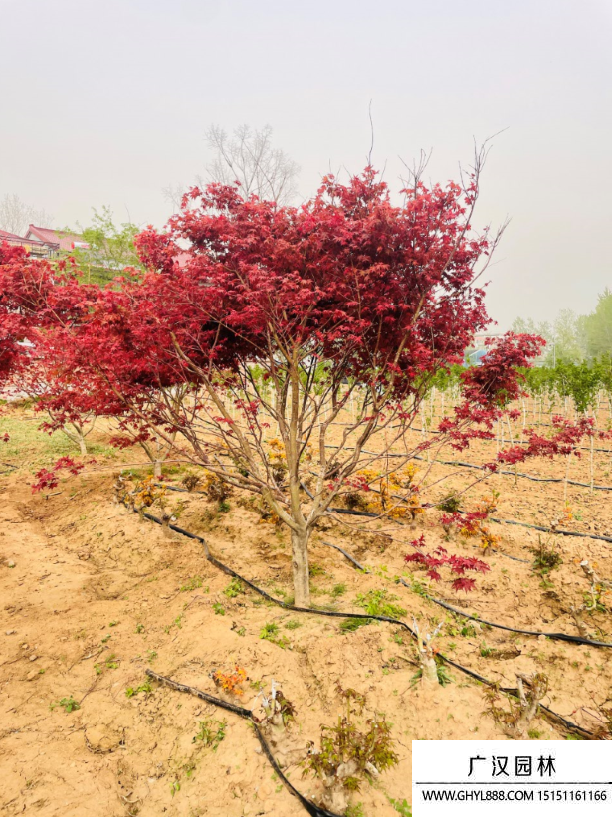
column 91, row 596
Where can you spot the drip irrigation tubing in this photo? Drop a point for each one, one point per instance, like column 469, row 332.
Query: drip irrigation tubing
column 388, row 455
column 397, row 522
column 573, row 639
column 560, row 531
column 518, row 474
column 176, row 488
column 574, row 727
column 417, row 430
column 499, row 521
column 372, row 515
column 246, row 714
column 516, row 442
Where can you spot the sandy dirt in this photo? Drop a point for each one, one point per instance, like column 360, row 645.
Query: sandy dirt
column 91, row 596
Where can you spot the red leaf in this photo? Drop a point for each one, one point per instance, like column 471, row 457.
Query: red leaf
column 464, row 584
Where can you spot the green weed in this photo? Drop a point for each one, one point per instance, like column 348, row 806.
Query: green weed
column 192, row 584
column 401, row 806
column 235, row 588
column 68, row 704
column 144, row 687
column 270, row 632
column 210, row 733
column 349, row 625
column 380, row 603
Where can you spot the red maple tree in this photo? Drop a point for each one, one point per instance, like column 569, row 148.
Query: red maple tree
column 281, row 318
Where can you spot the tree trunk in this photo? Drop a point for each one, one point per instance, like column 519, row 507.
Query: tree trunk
column 299, row 546
column 567, row 468
column 79, row 438
column 157, row 469
column 166, row 525
column 82, row 445
column 429, row 670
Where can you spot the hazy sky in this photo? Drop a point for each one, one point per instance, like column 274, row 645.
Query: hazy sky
column 107, row 103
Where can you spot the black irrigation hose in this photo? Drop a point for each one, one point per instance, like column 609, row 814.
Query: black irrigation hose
column 355, row 513
column 310, row 807
column 514, row 442
column 573, row 639
column 377, row 515
column 512, row 474
column 175, row 488
column 348, row 556
column 494, row 550
column 552, row 715
column 508, row 556
column 481, row 468
column 560, row 531
column 285, row 605
column 366, row 513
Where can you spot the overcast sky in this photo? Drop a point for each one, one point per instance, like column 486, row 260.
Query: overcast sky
column 107, row 102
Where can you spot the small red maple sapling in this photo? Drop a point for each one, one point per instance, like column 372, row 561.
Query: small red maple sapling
column 46, row 480
column 440, row 558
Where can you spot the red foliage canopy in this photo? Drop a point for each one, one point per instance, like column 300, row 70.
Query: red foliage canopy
column 382, row 292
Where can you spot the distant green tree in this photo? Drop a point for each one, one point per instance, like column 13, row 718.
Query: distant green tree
column 598, row 327
column 527, row 326
column 567, row 337
column 530, row 327
column 110, row 247
column 538, row 381
column 564, row 337
column 580, row 381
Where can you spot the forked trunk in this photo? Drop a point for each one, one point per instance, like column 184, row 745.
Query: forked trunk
column 77, row 437
column 299, row 561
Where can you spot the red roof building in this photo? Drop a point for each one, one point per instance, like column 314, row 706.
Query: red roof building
column 56, row 240
column 31, row 245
